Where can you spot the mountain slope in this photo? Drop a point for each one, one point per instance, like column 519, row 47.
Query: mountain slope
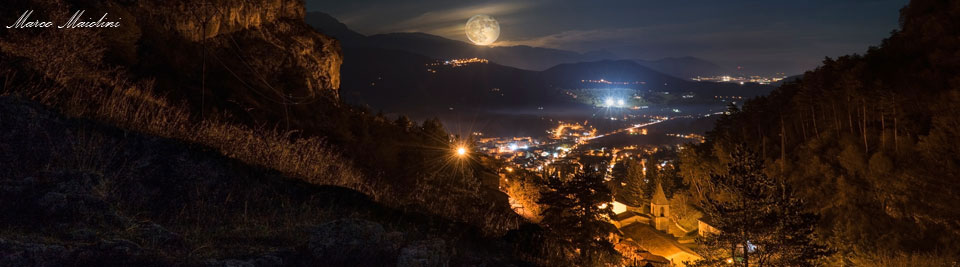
column 570, row 75
column 91, row 194
column 226, row 127
column 392, row 80
column 332, row 27
column 523, row 57
column 869, row 141
column 685, row 67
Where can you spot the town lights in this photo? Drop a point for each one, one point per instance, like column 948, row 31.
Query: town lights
column 611, row 102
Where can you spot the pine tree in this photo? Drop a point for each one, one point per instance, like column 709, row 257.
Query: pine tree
column 760, row 221
column 651, row 177
column 403, row 122
column 633, row 178
column 577, row 212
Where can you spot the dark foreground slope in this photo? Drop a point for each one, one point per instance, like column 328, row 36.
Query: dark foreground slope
column 230, row 141
column 257, row 85
column 76, row 192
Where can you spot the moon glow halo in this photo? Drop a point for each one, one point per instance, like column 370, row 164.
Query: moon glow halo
column 482, row 29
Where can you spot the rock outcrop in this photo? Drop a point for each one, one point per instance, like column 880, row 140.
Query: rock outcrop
column 276, row 48
column 258, row 54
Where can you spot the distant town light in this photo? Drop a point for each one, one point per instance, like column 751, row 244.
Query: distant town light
column 619, row 102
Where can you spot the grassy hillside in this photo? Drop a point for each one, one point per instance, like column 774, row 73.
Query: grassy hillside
column 220, row 145
column 86, row 193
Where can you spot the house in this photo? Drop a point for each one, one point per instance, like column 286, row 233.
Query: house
column 706, row 227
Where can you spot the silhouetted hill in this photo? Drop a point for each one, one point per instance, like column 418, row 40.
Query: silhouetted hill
column 398, row 81
column 96, row 195
column 685, row 67
column 570, row 75
column 328, row 25
column 642, row 78
column 524, row 57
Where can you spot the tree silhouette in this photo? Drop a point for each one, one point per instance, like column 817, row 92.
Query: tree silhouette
column 633, row 191
column 578, row 212
column 760, row 221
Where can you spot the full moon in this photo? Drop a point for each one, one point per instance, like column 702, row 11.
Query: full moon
column 482, row 29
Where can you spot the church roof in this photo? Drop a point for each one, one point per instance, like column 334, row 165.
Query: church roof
column 659, row 198
column 658, row 243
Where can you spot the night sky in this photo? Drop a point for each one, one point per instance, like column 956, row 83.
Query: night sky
column 762, row 36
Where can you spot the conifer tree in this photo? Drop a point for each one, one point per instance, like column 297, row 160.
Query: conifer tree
column 633, row 190
column 759, row 219
column 578, row 212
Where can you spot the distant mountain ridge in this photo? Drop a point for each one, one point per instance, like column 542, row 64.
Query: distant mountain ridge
column 391, row 80
column 571, row 74
column 685, row 67
column 520, row 56
column 404, row 73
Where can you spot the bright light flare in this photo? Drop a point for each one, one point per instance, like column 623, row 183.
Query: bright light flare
column 614, row 102
column 461, row 151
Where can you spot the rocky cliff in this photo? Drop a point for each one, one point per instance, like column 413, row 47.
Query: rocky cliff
column 246, row 52
column 265, row 41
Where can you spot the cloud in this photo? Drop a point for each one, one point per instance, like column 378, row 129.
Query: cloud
column 449, row 22
column 684, row 39
column 578, row 39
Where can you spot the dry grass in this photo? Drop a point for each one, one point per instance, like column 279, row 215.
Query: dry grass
column 906, row 260
column 133, row 107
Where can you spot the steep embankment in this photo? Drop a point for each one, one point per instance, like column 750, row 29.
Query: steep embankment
column 203, row 173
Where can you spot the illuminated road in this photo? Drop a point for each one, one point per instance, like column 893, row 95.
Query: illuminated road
column 636, row 126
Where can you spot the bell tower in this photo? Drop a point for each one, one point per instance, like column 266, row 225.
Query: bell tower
column 660, row 209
